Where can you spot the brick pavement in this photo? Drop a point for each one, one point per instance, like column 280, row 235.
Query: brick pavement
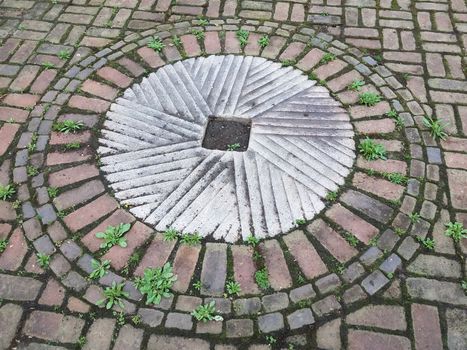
column 68, row 60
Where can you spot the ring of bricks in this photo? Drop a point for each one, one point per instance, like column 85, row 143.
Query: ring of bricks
column 314, row 272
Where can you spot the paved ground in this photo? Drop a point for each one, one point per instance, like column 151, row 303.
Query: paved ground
column 373, row 269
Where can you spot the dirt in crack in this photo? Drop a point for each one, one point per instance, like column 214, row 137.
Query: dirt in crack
column 227, row 134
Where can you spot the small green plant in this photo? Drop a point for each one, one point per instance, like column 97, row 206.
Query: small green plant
column 170, row 235
column 3, row 245
column 396, row 117
column 327, row 57
column 371, row 150
column 414, row 217
column 390, row 275
column 263, row 41
column 233, row 147
column 81, row 341
column 120, row 316
column 68, row 126
column 48, row 65
column 52, row 192
column 369, row 99
column 396, row 178
column 356, row 85
column 252, row 240
column 64, row 54
column 176, row 41
column 262, row 278
column 99, row 269
column 197, row 285
column 351, row 239
column 242, row 36
column 436, row 127
column 287, row 63
column 373, row 242
column 207, row 312
column 456, row 231
column 300, row 222
column 43, row 260
column 156, row 44
column 191, row 239
column 271, row 340
column 331, row 196
column 464, row 285
column 203, row 22
column 136, row 319
column 156, row 283
column 7, row 192
column 113, row 235
column 428, row 243
column 312, row 76
column 257, row 256
column 31, row 170
column 113, row 296
column 399, row 231
column 32, row 145
column 72, row 146
column 233, row 288
column 199, row 34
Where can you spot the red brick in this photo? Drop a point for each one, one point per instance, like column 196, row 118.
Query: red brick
column 190, row 44
column 298, row 13
column 332, row 241
column 18, row 115
column 381, row 108
column 381, row 316
column 379, row 187
column 305, row 254
column 137, row 235
column 57, row 158
column 21, row 100
column 90, row 212
column 244, row 269
column 276, row 43
column 426, row 327
column 75, row 196
column 119, row 217
column 25, row 78
column 72, row 175
column 62, row 139
column 151, row 57
column 88, row 104
column 456, row 160
column 184, row 265
column 98, row 89
column 343, row 81
column 5, row 229
column 41, row 84
column 253, row 48
column 212, row 43
column 352, row 223
column 53, row 294
column 310, row 60
column 279, row 275
column 156, row 255
column 15, row 251
column 281, row 12
column 330, row 69
column 7, row 213
column 365, row 340
column 389, row 166
column 293, row 50
column 458, row 188
column 7, row 135
column 380, row 126
column 114, row 76
column 134, row 68
column 54, row 327
column 76, row 305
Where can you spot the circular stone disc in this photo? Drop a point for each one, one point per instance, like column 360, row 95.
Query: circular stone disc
column 300, row 148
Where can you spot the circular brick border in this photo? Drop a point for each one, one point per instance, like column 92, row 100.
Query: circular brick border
column 321, row 307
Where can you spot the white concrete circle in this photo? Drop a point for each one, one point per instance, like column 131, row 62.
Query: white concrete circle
column 301, row 147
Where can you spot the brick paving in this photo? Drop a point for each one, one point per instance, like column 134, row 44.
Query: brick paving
column 361, row 275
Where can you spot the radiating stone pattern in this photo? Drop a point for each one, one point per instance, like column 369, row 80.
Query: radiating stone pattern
column 300, row 148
